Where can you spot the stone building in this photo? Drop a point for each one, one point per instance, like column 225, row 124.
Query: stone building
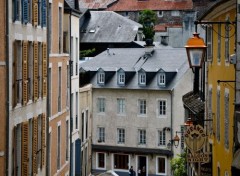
column 132, row 98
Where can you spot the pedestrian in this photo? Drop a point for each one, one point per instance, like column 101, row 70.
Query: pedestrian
column 131, row 171
column 143, row 172
column 139, row 171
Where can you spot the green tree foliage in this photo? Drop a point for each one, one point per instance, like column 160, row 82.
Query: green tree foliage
column 86, row 53
column 179, row 165
column 148, row 19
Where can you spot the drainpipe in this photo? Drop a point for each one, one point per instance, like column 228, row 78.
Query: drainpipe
column 7, row 86
column 70, row 103
column 171, row 92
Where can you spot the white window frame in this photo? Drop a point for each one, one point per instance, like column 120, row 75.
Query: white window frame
column 101, row 134
column 159, row 110
column 101, row 105
column 121, row 78
column 121, row 106
column 121, row 135
column 142, row 107
column 162, row 138
column 142, row 78
column 97, row 163
column 161, row 173
column 142, row 137
column 101, row 77
column 162, row 79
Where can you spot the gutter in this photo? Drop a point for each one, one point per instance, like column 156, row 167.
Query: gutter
column 7, row 86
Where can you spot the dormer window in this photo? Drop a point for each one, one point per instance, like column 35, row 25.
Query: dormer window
column 162, row 79
column 142, row 79
column 101, row 77
column 121, row 77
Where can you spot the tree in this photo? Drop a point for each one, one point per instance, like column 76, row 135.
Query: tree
column 179, row 164
column 148, row 19
column 86, row 53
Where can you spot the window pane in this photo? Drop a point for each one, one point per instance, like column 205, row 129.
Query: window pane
column 142, row 136
column 161, row 165
column 162, row 107
column 101, row 160
column 121, row 105
column 142, row 106
column 162, row 137
column 121, row 135
column 101, row 104
column 121, row 161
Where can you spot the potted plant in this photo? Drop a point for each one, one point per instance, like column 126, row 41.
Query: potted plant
column 148, row 19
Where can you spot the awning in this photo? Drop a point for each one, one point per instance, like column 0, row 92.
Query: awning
column 193, row 102
column 132, row 150
column 236, row 159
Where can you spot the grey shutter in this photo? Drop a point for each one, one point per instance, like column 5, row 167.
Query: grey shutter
column 25, row 11
column 44, row 13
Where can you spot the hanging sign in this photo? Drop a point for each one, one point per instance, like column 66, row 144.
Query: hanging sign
column 195, row 138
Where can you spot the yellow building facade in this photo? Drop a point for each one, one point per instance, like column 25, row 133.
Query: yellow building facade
column 220, row 85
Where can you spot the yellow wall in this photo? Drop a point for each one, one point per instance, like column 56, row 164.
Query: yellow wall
column 222, row 70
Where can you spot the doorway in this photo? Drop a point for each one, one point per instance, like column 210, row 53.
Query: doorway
column 142, row 163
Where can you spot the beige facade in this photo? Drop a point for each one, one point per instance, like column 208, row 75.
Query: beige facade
column 27, row 75
column 107, row 152
column 59, row 97
column 85, row 109
column 3, row 90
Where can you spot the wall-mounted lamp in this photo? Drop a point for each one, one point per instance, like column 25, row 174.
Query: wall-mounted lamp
column 174, row 141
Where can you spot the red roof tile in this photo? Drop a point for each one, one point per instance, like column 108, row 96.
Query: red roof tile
column 163, row 27
column 138, row 5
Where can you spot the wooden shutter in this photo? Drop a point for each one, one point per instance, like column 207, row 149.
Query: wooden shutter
column 44, row 69
column 34, row 145
column 35, row 12
column 24, row 148
column 43, row 138
column 35, row 70
column 25, row 72
column 14, row 82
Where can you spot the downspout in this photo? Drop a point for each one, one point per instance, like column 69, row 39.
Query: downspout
column 47, row 108
column 7, row 87
column 70, row 103
column 171, row 92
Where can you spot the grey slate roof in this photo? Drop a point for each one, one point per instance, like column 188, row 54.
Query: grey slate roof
column 173, row 61
column 73, row 4
column 108, row 27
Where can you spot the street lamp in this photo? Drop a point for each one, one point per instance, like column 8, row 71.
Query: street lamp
column 195, row 50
